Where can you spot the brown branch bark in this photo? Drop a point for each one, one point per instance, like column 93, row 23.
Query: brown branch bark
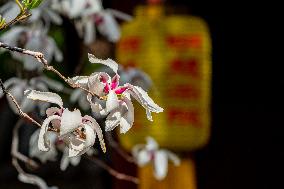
column 111, row 171
column 40, row 58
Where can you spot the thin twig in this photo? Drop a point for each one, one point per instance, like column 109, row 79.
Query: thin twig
column 40, row 58
column 111, row 171
column 29, row 178
column 15, row 20
column 15, row 145
column 23, row 114
column 23, row 15
column 118, row 148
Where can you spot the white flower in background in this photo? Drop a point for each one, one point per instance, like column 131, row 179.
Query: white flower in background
column 78, row 132
column 136, row 77
column 42, row 13
column 34, row 152
column 34, row 39
column 79, row 96
column 89, row 15
column 118, row 104
column 17, row 87
column 159, row 158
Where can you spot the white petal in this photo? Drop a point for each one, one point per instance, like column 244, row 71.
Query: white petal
column 44, row 96
column 109, row 27
column 90, row 136
column 65, row 160
column 27, row 105
column 55, row 18
column 52, row 84
column 98, row 131
column 11, row 12
column 70, row 120
column 151, row 144
column 80, row 80
column 89, row 35
column 56, row 51
column 173, row 157
column 112, row 120
column 97, row 109
column 94, row 7
column 76, row 146
column 143, row 98
column 9, row 82
column 95, row 85
column 160, row 165
column 43, row 141
column 143, row 158
column 78, row 96
column 43, row 156
column 127, row 119
column 75, row 160
column 35, row 43
column 77, row 7
column 12, row 36
column 109, row 62
column 120, row 15
column 112, row 101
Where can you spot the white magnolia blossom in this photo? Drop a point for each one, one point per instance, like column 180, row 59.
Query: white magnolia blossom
column 33, row 39
column 89, row 15
column 118, row 106
column 10, row 10
column 17, row 87
column 78, row 132
column 150, row 153
column 133, row 76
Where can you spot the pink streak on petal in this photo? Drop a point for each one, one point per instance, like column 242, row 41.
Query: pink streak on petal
column 120, row 90
column 107, row 88
column 114, row 82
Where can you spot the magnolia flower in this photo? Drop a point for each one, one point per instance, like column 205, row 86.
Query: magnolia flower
column 17, row 87
column 150, row 153
column 33, row 39
column 42, row 13
column 89, row 15
column 118, row 104
column 78, row 132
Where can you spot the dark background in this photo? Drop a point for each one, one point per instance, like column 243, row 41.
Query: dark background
column 246, row 147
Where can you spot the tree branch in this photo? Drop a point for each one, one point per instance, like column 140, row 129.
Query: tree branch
column 15, row 145
column 111, row 171
column 23, row 114
column 40, row 58
column 118, row 148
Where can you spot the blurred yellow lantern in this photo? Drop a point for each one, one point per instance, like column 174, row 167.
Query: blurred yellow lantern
column 176, row 53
